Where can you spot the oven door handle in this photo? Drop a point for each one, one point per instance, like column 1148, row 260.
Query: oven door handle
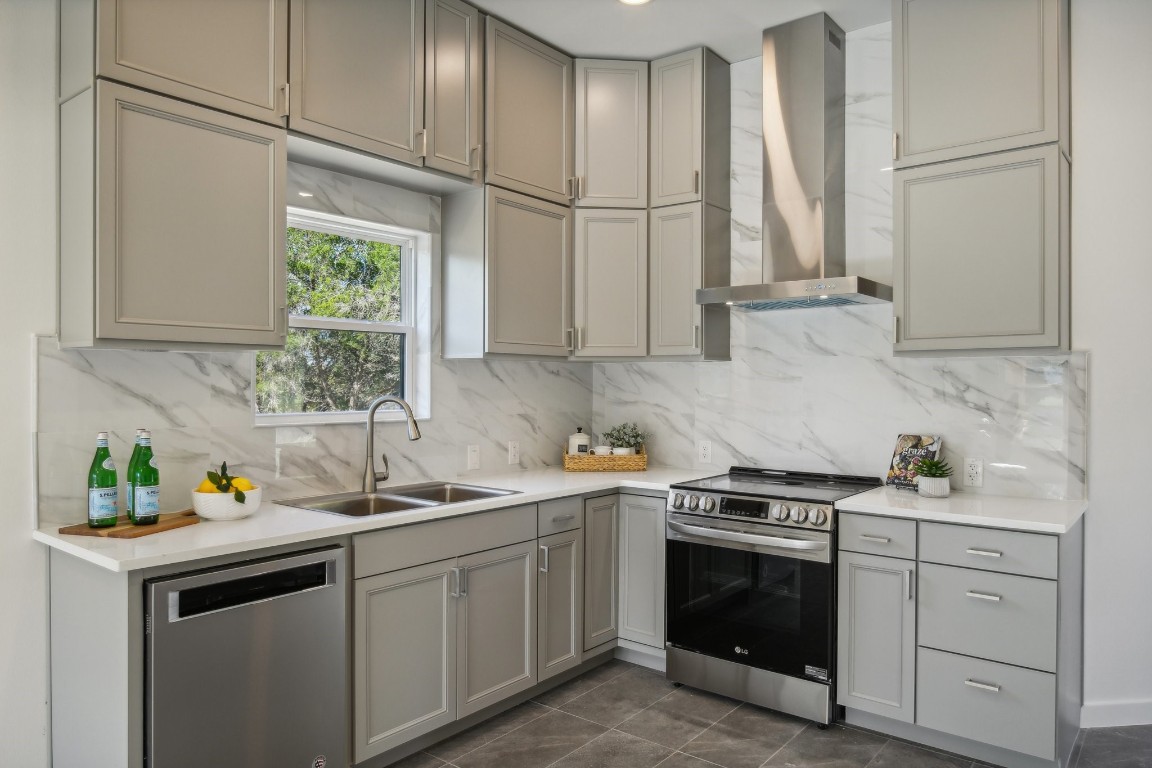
column 756, row 539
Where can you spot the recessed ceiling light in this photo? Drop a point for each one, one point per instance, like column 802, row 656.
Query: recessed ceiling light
column 635, row 2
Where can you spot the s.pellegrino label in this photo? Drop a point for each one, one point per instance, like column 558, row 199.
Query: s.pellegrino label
column 103, row 491
column 145, row 480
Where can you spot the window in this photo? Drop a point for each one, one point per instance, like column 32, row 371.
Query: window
column 352, row 335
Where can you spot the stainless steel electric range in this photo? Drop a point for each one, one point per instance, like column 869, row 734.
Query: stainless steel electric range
column 751, row 586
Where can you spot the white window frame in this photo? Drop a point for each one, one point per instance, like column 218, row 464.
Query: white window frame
column 412, row 244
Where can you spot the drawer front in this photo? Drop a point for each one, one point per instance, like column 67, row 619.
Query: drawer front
column 1015, row 709
column 991, row 615
column 394, row 548
column 559, row 515
column 874, row 535
column 1026, row 554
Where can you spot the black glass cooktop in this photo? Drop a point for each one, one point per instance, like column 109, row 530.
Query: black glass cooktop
column 782, row 484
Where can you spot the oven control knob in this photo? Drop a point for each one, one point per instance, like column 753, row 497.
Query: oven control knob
column 780, row 512
column 678, row 501
column 709, row 504
column 799, row 515
column 818, row 517
column 693, row 502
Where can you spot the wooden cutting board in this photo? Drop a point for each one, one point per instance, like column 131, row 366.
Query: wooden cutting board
column 124, row 528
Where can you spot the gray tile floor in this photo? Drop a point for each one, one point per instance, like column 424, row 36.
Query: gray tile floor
column 623, row 716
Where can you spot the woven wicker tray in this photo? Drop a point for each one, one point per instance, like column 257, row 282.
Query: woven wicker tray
column 589, row 463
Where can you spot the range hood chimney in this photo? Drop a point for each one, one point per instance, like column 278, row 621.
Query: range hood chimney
column 803, row 233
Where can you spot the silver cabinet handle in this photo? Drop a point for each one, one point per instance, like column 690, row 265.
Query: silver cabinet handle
column 895, row 145
column 696, row 182
column 284, row 328
column 748, row 538
column 571, row 345
column 562, row 518
column 908, row 584
column 982, row 686
column 579, row 339
column 463, row 582
column 571, row 187
column 423, row 137
column 474, row 166
column 983, row 596
column 984, row 552
column 454, row 582
column 285, row 90
column 543, row 559
column 877, row 539
column 695, row 337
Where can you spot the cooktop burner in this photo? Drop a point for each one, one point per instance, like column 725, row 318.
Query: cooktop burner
column 782, row 484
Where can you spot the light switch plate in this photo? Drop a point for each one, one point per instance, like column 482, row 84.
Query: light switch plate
column 513, row 452
column 473, row 457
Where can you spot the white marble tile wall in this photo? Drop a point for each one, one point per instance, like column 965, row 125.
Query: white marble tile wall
column 820, row 389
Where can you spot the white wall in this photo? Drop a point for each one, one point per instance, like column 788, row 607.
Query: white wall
column 1112, row 318
column 27, row 279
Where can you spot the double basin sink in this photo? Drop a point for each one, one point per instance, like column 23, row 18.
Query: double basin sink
column 399, row 499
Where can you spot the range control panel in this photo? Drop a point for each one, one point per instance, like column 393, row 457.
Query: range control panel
column 798, row 514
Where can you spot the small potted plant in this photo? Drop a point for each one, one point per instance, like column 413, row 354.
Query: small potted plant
column 626, row 439
column 932, row 478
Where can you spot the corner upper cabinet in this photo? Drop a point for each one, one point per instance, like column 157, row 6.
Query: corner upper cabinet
column 158, row 199
column 972, row 78
column 611, row 283
column 611, row 134
column 358, row 74
column 691, row 120
column 981, row 249
column 232, row 56
column 528, row 130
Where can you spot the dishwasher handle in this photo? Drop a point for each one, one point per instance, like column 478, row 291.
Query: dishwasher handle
column 247, row 590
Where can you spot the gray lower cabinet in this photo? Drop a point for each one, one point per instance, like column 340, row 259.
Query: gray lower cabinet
column 560, row 602
column 982, row 258
column 610, row 307
column 642, row 553
column 876, row 626
column 601, row 572
column 611, row 134
column 158, row 199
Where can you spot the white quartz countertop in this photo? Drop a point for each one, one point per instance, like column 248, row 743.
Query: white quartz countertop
column 275, row 525
column 1039, row 515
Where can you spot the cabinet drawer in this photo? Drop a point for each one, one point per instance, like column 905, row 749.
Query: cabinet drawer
column 396, row 548
column 991, row 615
column 993, row 703
column 1026, row 554
column 559, row 515
column 878, row 535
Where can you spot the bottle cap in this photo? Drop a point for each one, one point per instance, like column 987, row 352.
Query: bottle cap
column 101, row 435
column 145, row 433
column 140, row 431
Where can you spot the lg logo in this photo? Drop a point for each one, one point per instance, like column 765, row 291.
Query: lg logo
column 320, row 762
column 742, row 651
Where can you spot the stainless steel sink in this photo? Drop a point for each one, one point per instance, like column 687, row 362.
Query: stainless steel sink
column 447, row 493
column 397, row 499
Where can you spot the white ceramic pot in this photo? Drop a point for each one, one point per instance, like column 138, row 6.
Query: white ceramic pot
column 623, row 451
column 602, row 450
column 222, row 506
column 933, row 487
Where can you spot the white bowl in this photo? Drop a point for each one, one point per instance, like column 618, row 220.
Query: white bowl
column 222, row 506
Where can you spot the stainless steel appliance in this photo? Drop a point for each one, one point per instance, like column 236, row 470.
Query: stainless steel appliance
column 751, row 581
column 246, row 665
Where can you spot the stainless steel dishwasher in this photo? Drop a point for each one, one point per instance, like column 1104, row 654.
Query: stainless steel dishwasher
column 246, row 665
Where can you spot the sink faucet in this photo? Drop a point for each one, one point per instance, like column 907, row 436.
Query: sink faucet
column 371, row 476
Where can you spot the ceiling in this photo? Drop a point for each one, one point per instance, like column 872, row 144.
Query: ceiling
column 610, row 29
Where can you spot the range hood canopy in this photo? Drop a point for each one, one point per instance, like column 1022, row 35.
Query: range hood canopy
column 804, row 264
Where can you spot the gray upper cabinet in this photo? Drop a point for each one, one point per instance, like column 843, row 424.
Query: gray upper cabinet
column 611, row 134
column 601, row 577
column 981, row 250
column 528, row 123
column 972, row 78
column 690, row 123
column 611, row 283
column 642, row 550
column 233, row 56
column 454, row 87
column 358, row 74
column 158, row 198
column 560, row 602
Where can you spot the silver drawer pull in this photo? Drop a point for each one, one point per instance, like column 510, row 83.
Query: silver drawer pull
column 983, row 596
column 982, row 686
column 985, row 552
column 877, row 539
column 563, row 518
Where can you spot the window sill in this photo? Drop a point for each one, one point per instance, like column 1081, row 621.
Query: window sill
column 331, row 419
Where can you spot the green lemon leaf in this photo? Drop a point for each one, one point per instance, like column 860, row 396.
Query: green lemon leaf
column 214, row 478
column 239, row 496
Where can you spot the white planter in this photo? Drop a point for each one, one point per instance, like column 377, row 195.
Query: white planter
column 933, row 487
column 623, row 451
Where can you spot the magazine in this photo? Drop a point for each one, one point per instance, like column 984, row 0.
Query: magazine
column 910, row 449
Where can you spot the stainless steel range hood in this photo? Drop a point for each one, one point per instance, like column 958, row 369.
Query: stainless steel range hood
column 803, row 220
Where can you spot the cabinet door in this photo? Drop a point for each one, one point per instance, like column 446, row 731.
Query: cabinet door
column 601, row 585
column 528, row 128
column 529, row 264
column 675, row 272
column 677, row 128
column 611, row 133
column 560, row 603
column 358, row 74
column 404, row 670
column 642, row 550
column 973, row 77
column 876, row 627
column 496, row 626
column 188, row 195
column 454, row 92
column 228, row 55
column 981, row 253
column 611, row 283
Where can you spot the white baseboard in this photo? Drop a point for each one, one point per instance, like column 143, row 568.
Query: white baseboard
column 1105, row 714
column 644, row 655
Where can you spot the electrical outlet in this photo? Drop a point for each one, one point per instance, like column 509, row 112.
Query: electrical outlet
column 513, row 452
column 973, row 472
column 704, row 451
column 473, row 457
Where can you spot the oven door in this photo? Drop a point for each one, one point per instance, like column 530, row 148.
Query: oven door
column 751, row 594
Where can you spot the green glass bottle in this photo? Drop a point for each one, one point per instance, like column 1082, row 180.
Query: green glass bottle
column 103, row 490
column 145, row 484
column 129, row 497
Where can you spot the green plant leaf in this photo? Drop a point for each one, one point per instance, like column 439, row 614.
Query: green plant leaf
column 224, row 468
column 239, row 496
column 214, row 478
column 223, row 487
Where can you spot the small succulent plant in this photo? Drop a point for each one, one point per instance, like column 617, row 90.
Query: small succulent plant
column 933, row 468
